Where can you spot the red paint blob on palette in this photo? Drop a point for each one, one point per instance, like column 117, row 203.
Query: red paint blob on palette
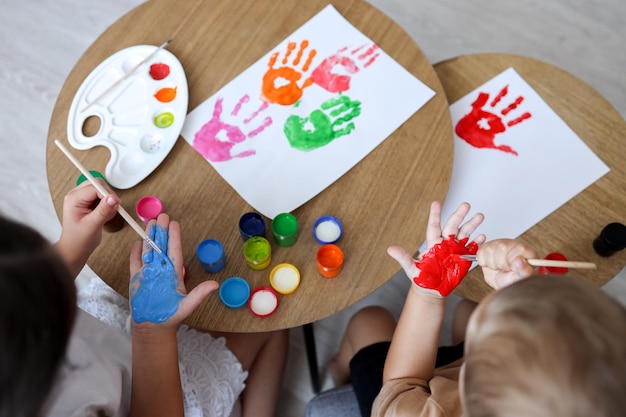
column 159, row 71
column 165, row 95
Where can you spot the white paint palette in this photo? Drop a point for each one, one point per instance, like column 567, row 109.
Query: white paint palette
column 140, row 119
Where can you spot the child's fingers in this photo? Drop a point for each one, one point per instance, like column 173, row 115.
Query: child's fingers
column 404, row 258
column 161, row 235
column 470, row 226
column 146, row 250
column 175, row 249
column 135, row 258
column 195, row 297
column 502, row 254
column 455, row 221
column 433, row 229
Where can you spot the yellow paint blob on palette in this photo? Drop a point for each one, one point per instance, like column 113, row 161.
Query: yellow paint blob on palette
column 139, row 120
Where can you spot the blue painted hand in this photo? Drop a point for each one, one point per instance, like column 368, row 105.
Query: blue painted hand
column 154, row 290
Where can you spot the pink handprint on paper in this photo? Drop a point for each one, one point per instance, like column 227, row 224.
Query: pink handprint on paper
column 280, row 84
column 219, row 149
column 480, row 127
column 330, row 74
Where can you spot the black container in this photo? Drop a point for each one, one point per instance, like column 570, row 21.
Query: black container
column 611, row 239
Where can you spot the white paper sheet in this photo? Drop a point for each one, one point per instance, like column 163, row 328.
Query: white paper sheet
column 247, row 142
column 549, row 166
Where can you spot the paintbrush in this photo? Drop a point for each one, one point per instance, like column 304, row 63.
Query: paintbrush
column 105, row 193
column 547, row 262
column 128, row 74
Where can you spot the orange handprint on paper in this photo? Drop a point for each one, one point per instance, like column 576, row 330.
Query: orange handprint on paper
column 284, row 84
column 326, row 74
column 480, row 127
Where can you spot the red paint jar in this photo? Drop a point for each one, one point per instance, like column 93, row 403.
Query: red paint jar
column 554, row 256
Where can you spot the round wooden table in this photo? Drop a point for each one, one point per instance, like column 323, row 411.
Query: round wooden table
column 571, row 228
column 383, row 200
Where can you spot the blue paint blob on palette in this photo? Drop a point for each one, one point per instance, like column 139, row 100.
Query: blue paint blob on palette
column 140, row 118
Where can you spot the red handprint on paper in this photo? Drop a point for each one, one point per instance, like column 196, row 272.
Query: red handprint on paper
column 216, row 149
column 480, row 127
column 326, row 74
column 280, row 85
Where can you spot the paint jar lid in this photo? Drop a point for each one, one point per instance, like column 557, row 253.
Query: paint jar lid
column 614, row 236
column 327, row 229
column 263, row 301
column 285, row 278
column 96, row 174
column 234, row 292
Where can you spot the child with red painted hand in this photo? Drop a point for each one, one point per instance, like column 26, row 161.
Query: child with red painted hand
column 367, row 339
column 540, row 345
column 537, row 346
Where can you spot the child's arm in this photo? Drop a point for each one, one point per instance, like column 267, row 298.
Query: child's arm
column 413, row 349
column 82, row 224
column 158, row 307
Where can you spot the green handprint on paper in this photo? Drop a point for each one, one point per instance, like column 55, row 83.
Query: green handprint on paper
column 322, row 126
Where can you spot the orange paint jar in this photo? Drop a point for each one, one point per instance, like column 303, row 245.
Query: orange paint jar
column 329, row 260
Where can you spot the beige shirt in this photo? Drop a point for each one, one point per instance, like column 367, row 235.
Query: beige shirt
column 95, row 378
column 414, row 397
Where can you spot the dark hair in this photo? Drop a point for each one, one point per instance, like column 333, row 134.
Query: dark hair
column 37, row 310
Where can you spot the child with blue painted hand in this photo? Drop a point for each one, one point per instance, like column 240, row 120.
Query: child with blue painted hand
column 215, row 366
column 159, row 304
column 61, row 361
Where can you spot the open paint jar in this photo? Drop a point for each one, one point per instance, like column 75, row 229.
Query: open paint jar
column 327, row 229
column 234, row 292
column 148, row 208
column 210, row 253
column 258, row 253
column 285, row 229
column 251, row 224
column 285, row 278
column 263, row 301
column 329, row 260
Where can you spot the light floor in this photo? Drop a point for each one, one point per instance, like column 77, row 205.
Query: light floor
column 41, row 40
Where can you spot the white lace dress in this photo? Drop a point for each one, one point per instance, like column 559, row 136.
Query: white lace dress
column 212, row 377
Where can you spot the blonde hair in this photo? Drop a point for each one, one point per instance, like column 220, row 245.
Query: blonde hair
column 552, row 346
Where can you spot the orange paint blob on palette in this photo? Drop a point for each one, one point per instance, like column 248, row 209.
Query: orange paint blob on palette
column 165, row 95
column 140, row 117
